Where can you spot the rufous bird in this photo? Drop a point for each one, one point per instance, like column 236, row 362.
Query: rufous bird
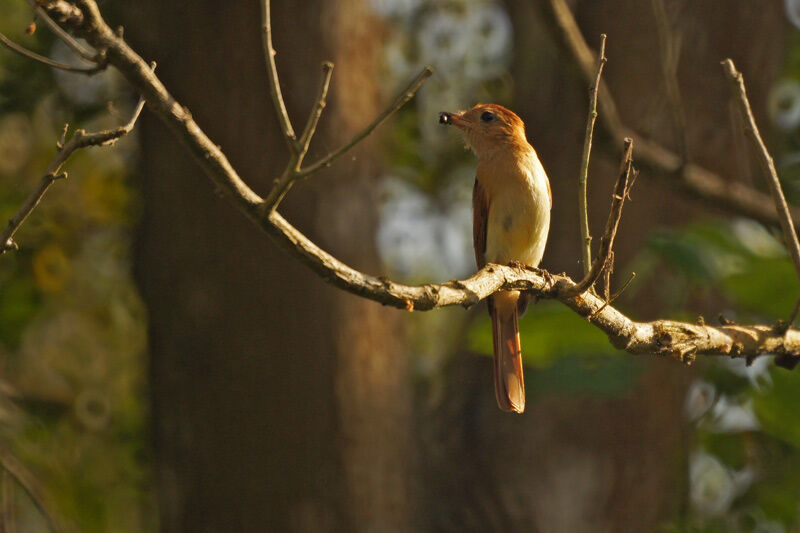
column 511, row 203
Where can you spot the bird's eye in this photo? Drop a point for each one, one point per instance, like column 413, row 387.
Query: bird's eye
column 487, row 116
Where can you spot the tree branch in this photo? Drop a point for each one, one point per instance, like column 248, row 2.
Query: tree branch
column 663, row 337
column 583, row 208
column 14, row 47
column 293, row 172
column 767, row 165
column 316, row 111
column 274, row 82
column 80, row 139
column 621, row 190
column 65, row 37
column 697, row 182
column 401, row 100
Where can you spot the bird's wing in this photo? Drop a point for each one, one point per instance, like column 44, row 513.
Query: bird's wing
column 480, row 216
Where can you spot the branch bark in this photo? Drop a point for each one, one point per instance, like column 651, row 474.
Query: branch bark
column 681, row 341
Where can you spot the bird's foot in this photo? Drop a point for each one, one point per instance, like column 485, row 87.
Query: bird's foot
column 549, row 280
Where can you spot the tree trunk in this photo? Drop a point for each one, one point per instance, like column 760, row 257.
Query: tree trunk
column 278, row 403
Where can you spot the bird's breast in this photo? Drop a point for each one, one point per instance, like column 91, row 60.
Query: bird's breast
column 519, row 213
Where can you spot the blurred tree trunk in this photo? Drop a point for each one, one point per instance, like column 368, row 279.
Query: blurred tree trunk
column 278, row 403
column 581, row 463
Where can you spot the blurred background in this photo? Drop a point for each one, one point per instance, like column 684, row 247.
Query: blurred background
column 164, row 366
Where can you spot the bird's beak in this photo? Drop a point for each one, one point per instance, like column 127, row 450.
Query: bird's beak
column 451, row 119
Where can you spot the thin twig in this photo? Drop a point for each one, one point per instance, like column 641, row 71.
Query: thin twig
column 274, row 82
column 612, row 224
column 30, row 485
column 11, row 45
column 80, row 139
column 65, row 37
column 610, row 299
column 316, row 111
column 402, row 99
column 670, row 55
column 767, row 165
column 583, row 208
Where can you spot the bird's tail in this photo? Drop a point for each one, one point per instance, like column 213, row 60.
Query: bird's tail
column 509, row 385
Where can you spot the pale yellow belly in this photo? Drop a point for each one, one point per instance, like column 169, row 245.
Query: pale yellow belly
column 517, row 227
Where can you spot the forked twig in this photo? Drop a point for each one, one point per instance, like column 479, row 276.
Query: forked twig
column 402, row 99
column 65, row 37
column 621, row 190
column 80, row 139
column 291, row 175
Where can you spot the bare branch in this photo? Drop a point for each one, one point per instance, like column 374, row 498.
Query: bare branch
column 767, row 165
column 274, row 82
column 293, row 171
column 697, row 182
column 612, row 224
column 663, row 337
column 30, row 485
column 65, row 37
column 583, row 208
column 80, row 139
column 316, row 111
column 670, row 53
column 11, row 45
column 678, row 340
column 401, row 100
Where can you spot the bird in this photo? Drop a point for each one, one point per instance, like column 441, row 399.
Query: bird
column 511, row 204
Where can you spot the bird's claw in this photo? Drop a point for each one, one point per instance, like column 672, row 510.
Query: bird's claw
column 548, row 279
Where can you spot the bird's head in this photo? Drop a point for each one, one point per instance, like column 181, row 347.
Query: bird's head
column 488, row 127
